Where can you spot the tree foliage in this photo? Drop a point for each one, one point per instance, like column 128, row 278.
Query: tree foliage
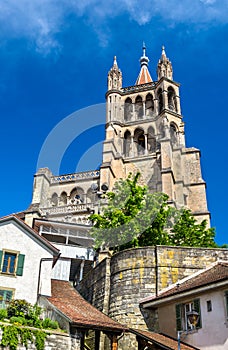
column 134, row 217
column 187, row 231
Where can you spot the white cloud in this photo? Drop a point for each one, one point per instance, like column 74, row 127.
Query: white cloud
column 37, row 20
column 41, row 20
column 208, row 2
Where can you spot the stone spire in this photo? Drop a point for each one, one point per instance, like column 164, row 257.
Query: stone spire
column 164, row 68
column 114, row 77
column 144, row 75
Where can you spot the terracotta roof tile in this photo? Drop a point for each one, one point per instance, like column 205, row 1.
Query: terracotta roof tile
column 214, row 274
column 162, row 340
column 67, row 300
column 144, row 76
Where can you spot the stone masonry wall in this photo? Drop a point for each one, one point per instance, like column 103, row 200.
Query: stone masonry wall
column 95, row 288
column 137, row 273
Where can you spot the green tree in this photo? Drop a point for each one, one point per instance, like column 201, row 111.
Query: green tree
column 187, row 232
column 134, row 217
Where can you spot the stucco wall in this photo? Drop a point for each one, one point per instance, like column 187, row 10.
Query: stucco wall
column 214, row 323
column 214, row 329
column 14, row 237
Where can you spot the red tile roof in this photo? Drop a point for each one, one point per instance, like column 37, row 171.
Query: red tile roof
column 67, row 300
column 214, row 274
column 163, row 340
column 144, row 76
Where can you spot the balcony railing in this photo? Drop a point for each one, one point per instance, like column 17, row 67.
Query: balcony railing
column 76, row 176
column 140, row 87
column 67, row 209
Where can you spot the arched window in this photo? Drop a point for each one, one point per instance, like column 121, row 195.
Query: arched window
column 149, row 105
column 173, row 133
column 172, row 103
column 54, row 199
column 63, row 198
column 77, row 196
column 128, row 109
column 160, row 101
column 127, row 143
column 139, row 140
column 139, row 107
column 151, row 140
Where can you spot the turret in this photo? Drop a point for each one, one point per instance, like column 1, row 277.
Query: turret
column 164, row 68
column 114, row 77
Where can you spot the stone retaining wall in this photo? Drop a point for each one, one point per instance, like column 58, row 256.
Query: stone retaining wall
column 136, row 273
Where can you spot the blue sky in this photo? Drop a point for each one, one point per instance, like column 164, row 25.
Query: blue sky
column 54, row 59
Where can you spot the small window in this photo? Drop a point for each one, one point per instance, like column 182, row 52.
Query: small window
column 209, row 306
column 6, row 296
column 181, row 315
column 11, row 262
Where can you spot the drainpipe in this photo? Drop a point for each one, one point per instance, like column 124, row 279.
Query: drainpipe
column 39, row 274
column 81, row 269
column 156, row 270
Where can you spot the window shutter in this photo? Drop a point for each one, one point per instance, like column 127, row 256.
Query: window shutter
column 20, row 264
column 178, row 317
column 8, row 295
column 1, row 253
column 196, row 303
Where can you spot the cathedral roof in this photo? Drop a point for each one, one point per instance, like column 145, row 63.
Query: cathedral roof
column 144, row 74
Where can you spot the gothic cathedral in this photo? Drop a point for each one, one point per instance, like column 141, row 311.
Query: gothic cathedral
column 145, row 133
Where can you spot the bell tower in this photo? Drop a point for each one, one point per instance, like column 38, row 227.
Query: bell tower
column 145, row 133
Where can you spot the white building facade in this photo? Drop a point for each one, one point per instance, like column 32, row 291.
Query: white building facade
column 26, row 262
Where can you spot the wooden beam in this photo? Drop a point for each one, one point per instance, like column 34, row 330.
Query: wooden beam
column 82, row 345
column 97, row 340
column 114, row 342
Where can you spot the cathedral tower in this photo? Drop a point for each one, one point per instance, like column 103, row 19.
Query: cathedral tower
column 145, row 132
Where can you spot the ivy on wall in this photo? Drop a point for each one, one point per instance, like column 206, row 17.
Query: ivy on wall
column 14, row 335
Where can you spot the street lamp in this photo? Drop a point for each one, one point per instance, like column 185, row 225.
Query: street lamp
column 192, row 320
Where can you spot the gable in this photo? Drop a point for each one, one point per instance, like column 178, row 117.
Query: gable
column 15, row 235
